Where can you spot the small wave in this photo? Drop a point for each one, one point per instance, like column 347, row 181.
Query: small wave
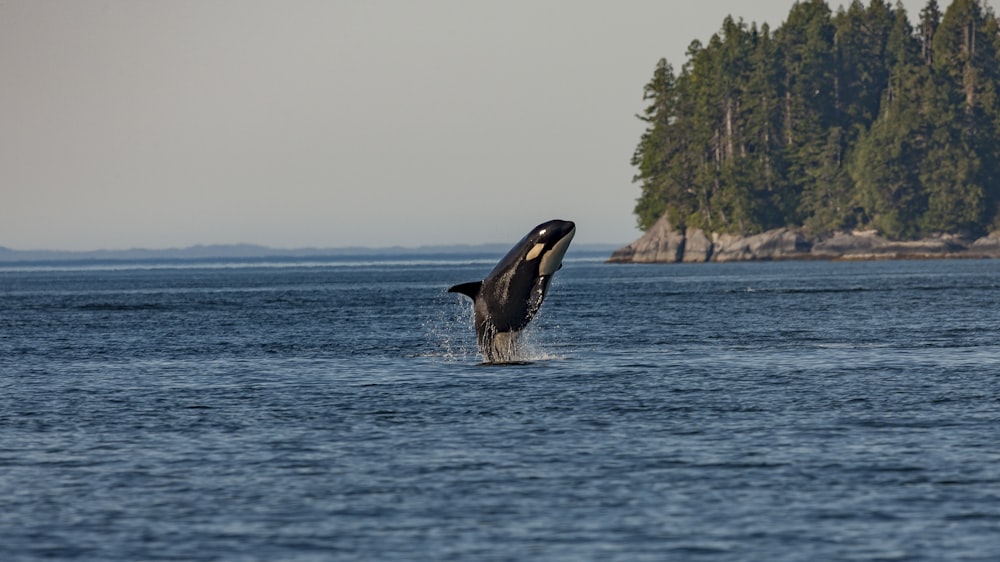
column 854, row 289
column 120, row 307
column 800, row 290
column 853, row 345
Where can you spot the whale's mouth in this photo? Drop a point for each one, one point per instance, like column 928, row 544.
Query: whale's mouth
column 552, row 260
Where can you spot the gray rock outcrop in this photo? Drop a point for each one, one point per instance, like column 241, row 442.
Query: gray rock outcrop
column 660, row 244
column 697, row 247
column 664, row 244
column 778, row 244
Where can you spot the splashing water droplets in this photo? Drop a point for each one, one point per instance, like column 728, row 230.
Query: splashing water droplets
column 448, row 337
column 447, row 332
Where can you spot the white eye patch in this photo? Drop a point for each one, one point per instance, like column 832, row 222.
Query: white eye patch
column 535, row 252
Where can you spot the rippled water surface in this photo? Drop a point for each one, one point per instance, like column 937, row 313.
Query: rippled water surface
column 338, row 410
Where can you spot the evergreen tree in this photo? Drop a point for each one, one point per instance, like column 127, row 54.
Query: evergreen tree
column 655, row 148
column 805, row 44
column 930, row 18
column 902, row 52
column 722, row 89
column 861, row 42
column 764, row 167
column 888, row 194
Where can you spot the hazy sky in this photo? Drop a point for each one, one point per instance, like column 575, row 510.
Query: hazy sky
column 330, row 122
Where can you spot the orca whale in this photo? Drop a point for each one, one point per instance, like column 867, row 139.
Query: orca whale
column 510, row 296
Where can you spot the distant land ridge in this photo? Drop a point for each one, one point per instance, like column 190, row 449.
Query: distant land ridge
column 256, row 252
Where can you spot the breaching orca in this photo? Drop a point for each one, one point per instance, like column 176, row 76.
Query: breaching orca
column 510, row 296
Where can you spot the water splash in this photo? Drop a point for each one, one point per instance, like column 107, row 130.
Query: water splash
column 448, row 332
column 531, row 346
column 451, row 335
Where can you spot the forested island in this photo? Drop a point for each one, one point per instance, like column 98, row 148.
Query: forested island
column 854, row 121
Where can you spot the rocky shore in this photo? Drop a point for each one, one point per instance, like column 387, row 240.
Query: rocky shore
column 664, row 244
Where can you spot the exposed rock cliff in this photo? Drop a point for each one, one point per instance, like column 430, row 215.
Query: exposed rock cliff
column 663, row 244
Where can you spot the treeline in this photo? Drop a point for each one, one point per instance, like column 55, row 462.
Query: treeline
column 833, row 121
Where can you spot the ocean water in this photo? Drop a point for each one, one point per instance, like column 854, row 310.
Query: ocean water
column 339, row 411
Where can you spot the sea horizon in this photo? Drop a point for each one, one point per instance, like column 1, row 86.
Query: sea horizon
column 259, row 251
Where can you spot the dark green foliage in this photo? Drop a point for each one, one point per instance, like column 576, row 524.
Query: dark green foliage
column 833, row 121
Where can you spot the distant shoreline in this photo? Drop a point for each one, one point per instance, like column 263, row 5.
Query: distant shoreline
column 252, row 252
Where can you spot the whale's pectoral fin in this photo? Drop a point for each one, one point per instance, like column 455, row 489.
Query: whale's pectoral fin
column 468, row 289
column 537, row 295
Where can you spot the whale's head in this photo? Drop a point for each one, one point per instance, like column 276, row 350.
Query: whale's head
column 546, row 243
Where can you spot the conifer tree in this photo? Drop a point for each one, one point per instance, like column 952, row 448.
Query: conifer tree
column 888, row 194
column 805, row 45
column 930, row 18
column 765, row 166
column 656, row 146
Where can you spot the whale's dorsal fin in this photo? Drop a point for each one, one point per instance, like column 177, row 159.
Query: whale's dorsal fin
column 468, row 289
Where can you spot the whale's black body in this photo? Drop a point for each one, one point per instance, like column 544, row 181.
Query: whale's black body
column 510, row 296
